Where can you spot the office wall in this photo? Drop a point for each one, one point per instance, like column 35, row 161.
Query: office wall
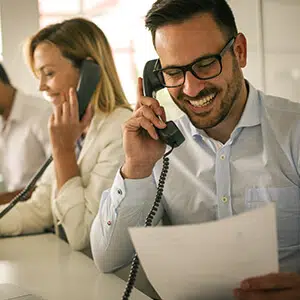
column 19, row 19
column 249, row 22
column 272, row 31
column 271, row 28
column 282, row 47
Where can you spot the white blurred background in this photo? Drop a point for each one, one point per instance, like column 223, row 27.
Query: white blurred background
column 271, row 27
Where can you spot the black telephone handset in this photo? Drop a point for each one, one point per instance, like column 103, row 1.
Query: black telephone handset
column 88, row 81
column 170, row 135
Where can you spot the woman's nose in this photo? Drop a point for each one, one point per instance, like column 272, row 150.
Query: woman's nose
column 42, row 85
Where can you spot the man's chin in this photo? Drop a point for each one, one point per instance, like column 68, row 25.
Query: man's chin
column 205, row 123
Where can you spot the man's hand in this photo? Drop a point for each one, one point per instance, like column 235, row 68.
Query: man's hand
column 141, row 143
column 274, row 286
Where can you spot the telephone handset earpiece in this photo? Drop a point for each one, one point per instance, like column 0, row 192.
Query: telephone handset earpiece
column 170, row 135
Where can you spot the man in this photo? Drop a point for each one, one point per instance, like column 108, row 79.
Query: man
column 241, row 147
column 24, row 141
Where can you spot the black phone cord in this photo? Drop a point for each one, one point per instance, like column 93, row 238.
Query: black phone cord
column 148, row 222
column 23, row 194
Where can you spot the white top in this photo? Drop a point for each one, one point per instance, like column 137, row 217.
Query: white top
column 24, row 140
column 257, row 165
column 76, row 204
column 47, row 267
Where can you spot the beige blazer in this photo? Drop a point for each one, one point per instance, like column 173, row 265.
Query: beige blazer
column 77, row 203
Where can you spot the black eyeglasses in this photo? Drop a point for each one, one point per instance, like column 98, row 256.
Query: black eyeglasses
column 205, row 67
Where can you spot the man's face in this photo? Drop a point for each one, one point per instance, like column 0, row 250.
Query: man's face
column 206, row 102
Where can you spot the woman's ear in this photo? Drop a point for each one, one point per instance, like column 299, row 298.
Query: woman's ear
column 240, row 49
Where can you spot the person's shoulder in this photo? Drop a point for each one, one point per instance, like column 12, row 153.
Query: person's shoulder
column 121, row 112
column 32, row 103
column 111, row 122
column 275, row 104
column 280, row 114
column 118, row 115
column 34, row 109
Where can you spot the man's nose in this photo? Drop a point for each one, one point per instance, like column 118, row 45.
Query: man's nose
column 192, row 85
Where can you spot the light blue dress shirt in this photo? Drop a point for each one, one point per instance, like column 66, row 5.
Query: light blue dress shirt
column 209, row 181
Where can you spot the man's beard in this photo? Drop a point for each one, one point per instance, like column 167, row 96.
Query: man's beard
column 233, row 92
column 1, row 110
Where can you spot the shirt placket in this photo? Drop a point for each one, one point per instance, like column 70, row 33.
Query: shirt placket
column 223, row 182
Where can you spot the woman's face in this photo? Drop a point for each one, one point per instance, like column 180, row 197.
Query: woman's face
column 55, row 72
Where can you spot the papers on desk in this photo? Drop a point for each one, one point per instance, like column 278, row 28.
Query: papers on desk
column 207, row 261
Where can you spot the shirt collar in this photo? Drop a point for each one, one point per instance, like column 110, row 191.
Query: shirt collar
column 251, row 115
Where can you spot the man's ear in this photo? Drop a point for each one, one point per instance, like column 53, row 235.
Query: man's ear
column 240, row 49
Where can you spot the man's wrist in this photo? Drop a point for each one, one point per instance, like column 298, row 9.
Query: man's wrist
column 135, row 170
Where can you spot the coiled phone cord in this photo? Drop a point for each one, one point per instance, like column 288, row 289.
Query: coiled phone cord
column 148, row 222
column 23, row 194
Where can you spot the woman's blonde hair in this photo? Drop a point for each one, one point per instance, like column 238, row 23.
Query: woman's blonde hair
column 77, row 40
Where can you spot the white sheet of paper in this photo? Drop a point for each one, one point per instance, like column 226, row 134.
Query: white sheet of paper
column 207, row 261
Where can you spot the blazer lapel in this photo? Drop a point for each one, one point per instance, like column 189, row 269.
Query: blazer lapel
column 95, row 125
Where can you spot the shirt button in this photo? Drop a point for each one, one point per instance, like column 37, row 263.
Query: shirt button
column 222, row 156
column 224, row 199
column 119, row 191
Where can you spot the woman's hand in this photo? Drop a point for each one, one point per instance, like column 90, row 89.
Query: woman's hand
column 65, row 128
column 64, row 124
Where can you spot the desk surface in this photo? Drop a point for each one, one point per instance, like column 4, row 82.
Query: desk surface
column 45, row 265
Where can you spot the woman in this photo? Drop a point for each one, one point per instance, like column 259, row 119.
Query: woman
column 86, row 153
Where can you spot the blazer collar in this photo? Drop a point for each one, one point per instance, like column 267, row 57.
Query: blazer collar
column 96, row 123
